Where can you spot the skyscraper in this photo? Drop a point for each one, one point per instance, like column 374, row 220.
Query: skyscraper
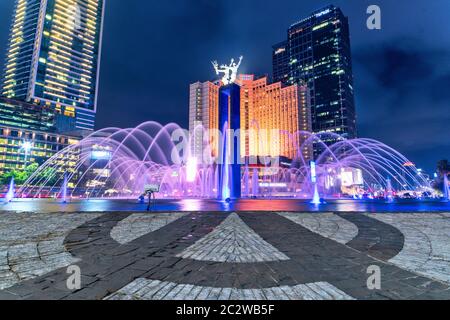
column 273, row 114
column 317, row 52
column 28, row 135
column 203, row 114
column 53, row 58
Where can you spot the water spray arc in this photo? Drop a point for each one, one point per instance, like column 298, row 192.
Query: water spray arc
column 118, row 163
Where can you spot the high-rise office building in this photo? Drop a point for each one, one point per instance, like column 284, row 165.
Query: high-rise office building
column 270, row 117
column 280, row 62
column 273, row 114
column 53, row 58
column 317, row 52
column 28, row 135
column 203, row 114
column 50, row 81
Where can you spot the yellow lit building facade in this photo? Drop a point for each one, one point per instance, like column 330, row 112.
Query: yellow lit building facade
column 27, row 136
column 203, row 114
column 273, row 118
column 53, row 57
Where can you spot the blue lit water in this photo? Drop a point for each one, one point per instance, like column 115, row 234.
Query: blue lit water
column 49, row 205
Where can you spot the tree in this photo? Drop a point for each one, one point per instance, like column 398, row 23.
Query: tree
column 49, row 175
column 20, row 176
column 443, row 167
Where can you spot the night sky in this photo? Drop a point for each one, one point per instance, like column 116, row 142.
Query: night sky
column 153, row 50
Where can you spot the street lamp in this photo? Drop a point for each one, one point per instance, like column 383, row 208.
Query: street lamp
column 191, row 169
column 26, row 147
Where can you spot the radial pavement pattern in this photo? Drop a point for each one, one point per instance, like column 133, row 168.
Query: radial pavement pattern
column 427, row 243
column 32, row 244
column 233, row 241
column 327, row 225
column 143, row 289
column 139, row 224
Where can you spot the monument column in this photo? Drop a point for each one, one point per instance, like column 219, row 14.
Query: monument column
column 229, row 123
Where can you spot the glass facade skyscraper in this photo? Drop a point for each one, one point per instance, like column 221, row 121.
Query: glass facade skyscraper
column 24, row 123
column 317, row 53
column 267, row 112
column 53, row 57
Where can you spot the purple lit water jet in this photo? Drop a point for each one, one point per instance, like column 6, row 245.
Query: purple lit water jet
column 191, row 169
column 224, row 168
column 316, row 197
column 118, row 163
column 389, row 193
column 255, row 183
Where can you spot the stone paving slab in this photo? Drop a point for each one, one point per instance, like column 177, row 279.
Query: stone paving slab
column 375, row 238
column 144, row 289
column 32, row 244
column 326, row 224
column 220, row 255
column 233, row 241
column 427, row 243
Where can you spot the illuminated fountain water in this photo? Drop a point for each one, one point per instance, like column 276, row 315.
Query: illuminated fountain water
column 10, row 194
column 245, row 178
column 225, row 181
column 255, row 183
column 389, row 191
column 119, row 163
column 316, row 198
column 64, row 189
column 446, row 188
column 313, row 174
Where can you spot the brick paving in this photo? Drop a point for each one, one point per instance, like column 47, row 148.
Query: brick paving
column 427, row 247
column 219, row 255
column 139, row 224
column 32, row 244
column 326, row 224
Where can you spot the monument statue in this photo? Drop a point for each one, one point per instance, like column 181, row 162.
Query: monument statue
column 229, row 71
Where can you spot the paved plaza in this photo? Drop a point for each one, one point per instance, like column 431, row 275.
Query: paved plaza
column 225, row 255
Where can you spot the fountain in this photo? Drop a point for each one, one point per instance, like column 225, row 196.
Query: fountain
column 191, row 169
column 446, row 188
column 389, row 193
column 246, row 181
column 64, row 189
column 10, row 194
column 255, row 183
column 316, row 198
column 229, row 121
